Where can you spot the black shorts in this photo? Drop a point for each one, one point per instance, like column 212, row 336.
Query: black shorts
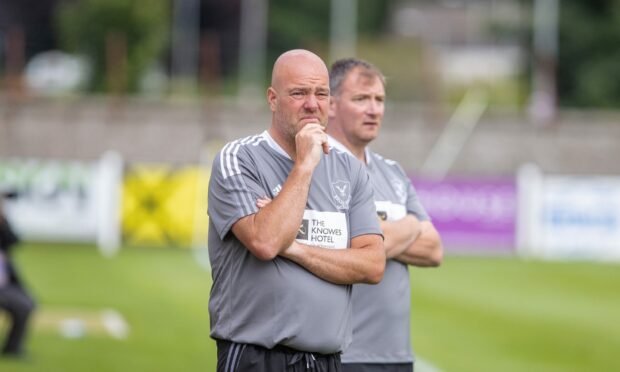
column 233, row 357
column 377, row 367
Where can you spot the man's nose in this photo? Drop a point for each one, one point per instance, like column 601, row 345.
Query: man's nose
column 372, row 108
column 311, row 103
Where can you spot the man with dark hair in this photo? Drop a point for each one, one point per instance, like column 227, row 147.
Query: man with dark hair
column 381, row 313
column 282, row 270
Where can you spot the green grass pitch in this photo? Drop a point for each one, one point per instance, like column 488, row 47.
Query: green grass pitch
column 472, row 314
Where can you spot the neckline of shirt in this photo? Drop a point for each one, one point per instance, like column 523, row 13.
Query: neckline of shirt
column 274, row 145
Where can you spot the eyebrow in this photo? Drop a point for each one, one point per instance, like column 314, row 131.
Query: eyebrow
column 308, row 89
column 358, row 95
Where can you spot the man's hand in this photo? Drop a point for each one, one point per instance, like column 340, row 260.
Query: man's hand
column 262, row 202
column 309, row 143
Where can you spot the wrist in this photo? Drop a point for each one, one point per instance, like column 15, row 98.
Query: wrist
column 292, row 251
column 303, row 169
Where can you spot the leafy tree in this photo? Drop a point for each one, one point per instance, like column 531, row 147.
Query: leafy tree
column 84, row 26
column 589, row 53
column 305, row 23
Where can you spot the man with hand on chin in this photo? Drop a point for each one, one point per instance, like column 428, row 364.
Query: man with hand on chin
column 381, row 312
column 282, row 274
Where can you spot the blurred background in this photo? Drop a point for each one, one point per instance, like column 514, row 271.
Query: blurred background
column 505, row 113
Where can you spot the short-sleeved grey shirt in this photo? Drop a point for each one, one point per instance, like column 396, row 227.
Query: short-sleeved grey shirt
column 381, row 312
column 279, row 302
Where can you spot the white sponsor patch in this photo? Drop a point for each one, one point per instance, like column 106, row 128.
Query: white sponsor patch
column 323, row 229
column 390, row 211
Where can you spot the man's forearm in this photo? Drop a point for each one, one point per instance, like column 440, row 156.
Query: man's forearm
column 426, row 250
column 399, row 235
column 274, row 227
column 363, row 264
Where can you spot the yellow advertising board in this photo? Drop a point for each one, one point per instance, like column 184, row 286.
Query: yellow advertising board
column 165, row 205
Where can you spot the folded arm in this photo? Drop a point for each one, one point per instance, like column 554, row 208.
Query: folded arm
column 363, row 262
column 426, row 250
column 273, row 228
column 400, row 234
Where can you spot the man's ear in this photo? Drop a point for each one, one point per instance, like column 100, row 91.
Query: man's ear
column 272, row 96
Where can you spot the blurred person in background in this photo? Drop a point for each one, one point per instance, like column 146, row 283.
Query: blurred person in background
column 381, row 312
column 14, row 299
column 292, row 225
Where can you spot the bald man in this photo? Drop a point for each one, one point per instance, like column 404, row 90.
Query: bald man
column 283, row 270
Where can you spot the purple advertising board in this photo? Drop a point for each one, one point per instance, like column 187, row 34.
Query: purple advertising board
column 473, row 214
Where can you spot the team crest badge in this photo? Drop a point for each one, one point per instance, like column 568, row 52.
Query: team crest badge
column 399, row 189
column 341, row 193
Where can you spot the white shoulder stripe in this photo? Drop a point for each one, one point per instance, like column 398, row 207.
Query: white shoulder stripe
column 385, row 160
column 229, row 162
column 228, row 159
column 223, row 157
column 258, row 140
column 235, row 160
column 390, row 162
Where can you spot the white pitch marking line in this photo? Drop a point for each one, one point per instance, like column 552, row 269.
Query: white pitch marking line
column 422, row 365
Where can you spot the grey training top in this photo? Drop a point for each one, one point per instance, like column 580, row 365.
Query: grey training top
column 275, row 302
column 381, row 312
